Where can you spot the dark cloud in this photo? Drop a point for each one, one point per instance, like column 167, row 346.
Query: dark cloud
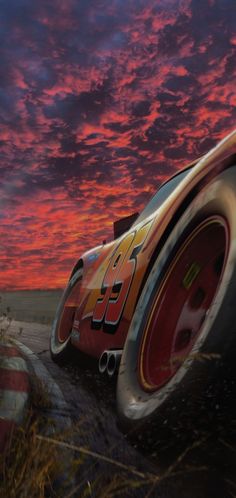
column 87, row 106
column 100, row 102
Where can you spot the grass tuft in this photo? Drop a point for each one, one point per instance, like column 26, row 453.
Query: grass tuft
column 29, row 465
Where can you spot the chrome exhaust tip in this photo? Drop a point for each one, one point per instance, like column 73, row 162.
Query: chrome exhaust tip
column 103, row 361
column 109, row 361
column 113, row 362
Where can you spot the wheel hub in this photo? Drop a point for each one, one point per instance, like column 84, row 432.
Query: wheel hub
column 181, row 303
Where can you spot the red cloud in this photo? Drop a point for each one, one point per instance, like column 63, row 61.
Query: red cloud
column 98, row 108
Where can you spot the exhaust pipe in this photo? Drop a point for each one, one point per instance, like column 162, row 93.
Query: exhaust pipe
column 113, row 361
column 109, row 361
column 103, row 361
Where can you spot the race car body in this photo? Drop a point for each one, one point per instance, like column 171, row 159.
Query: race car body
column 149, row 291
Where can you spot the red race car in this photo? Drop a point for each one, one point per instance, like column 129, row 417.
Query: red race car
column 161, row 295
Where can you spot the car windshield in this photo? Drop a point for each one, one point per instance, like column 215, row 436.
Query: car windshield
column 161, row 195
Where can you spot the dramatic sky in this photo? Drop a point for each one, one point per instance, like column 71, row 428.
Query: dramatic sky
column 100, row 101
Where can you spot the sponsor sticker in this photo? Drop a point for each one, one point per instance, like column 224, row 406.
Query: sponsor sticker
column 75, row 334
column 191, row 275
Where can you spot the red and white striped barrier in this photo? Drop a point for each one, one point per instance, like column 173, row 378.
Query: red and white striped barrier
column 14, row 390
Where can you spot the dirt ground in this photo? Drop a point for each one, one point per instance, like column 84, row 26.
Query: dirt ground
column 30, row 306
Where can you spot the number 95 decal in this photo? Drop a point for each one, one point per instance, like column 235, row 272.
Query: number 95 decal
column 117, row 281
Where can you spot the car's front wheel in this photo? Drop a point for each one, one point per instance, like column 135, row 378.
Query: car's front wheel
column 60, row 343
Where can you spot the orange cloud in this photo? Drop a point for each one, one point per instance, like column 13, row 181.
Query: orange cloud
column 98, row 107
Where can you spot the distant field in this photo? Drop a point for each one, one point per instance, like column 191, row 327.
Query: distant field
column 30, row 306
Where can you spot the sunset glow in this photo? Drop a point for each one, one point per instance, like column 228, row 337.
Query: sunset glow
column 100, row 102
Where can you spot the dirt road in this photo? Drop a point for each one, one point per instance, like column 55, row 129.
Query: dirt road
column 83, row 398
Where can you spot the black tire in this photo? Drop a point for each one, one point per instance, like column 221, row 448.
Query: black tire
column 175, row 404
column 61, row 350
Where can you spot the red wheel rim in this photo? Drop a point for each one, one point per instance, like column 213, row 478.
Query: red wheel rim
column 181, row 303
column 68, row 313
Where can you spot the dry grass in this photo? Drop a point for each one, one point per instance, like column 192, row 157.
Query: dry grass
column 33, row 465
column 41, row 462
column 36, row 464
column 31, row 306
column 28, row 465
column 5, row 323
